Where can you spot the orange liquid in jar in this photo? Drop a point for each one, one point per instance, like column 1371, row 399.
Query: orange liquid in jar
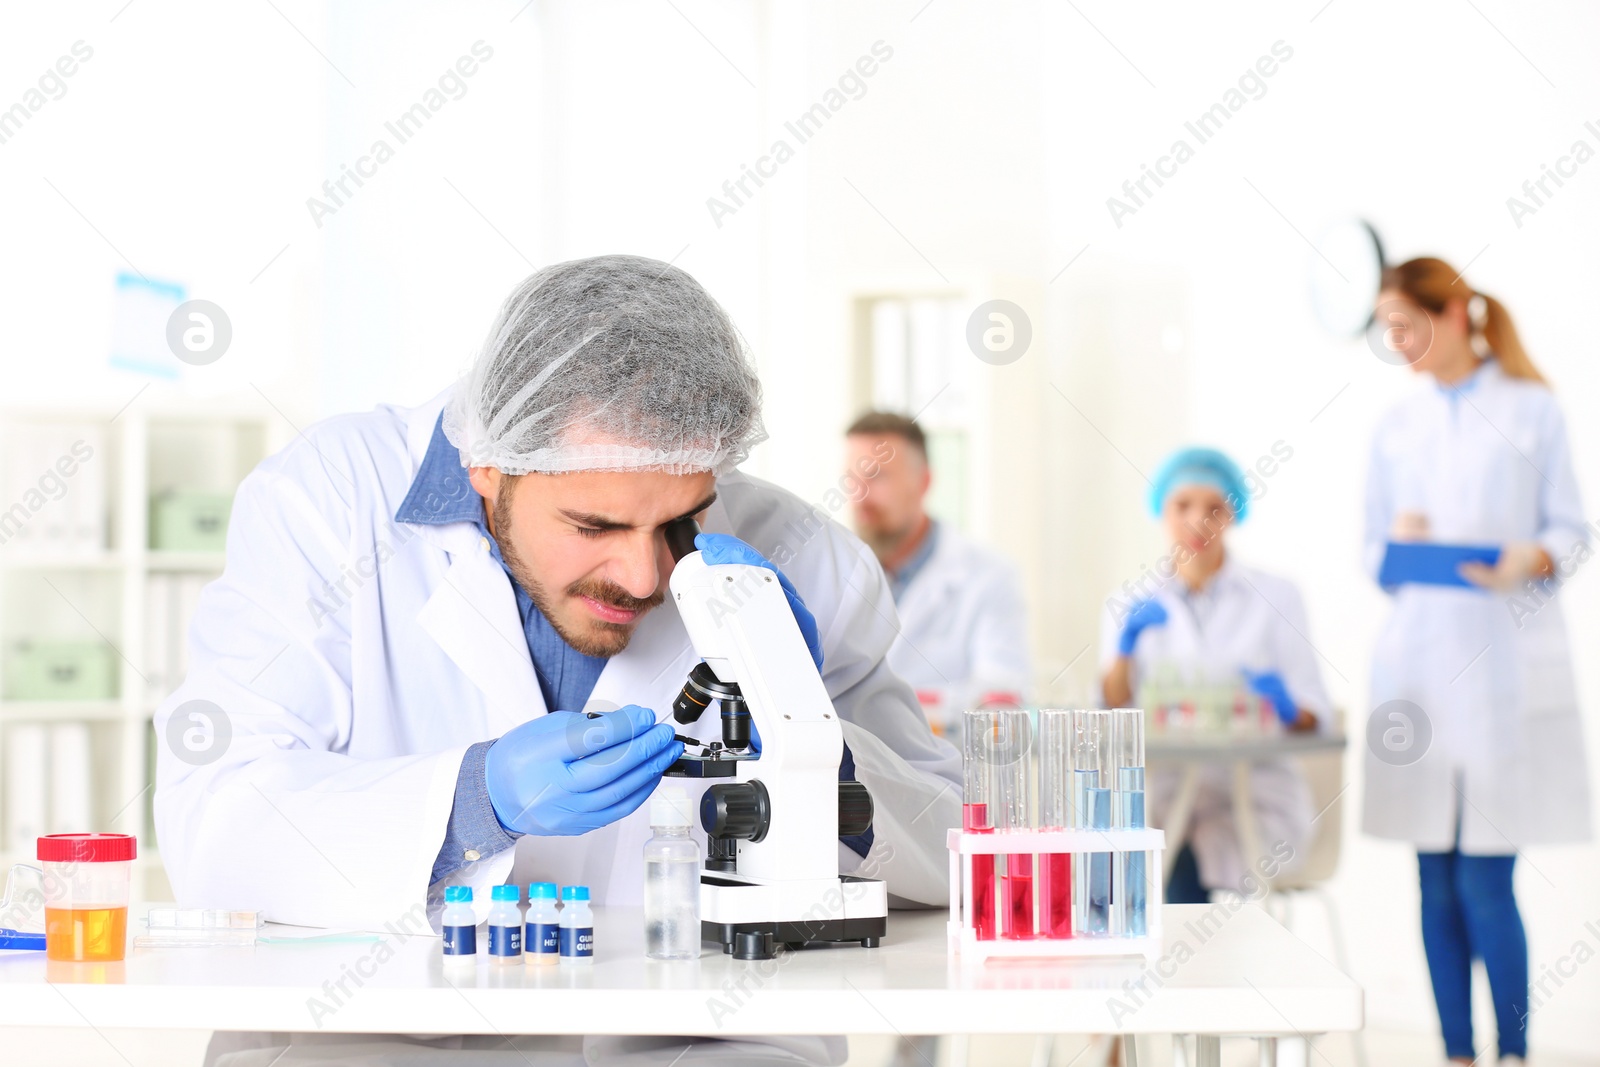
column 87, row 934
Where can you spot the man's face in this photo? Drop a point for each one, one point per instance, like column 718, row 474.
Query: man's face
column 889, row 506
column 589, row 547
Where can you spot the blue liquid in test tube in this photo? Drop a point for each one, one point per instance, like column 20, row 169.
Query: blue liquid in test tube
column 1133, row 867
column 1138, row 905
column 1093, row 782
column 1099, row 908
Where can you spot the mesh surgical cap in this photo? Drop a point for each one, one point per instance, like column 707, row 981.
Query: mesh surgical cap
column 1201, row 466
column 616, row 363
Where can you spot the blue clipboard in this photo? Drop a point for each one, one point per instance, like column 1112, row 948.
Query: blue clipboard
column 1426, row 563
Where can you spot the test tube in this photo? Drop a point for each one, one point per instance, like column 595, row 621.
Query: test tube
column 1092, row 775
column 1055, row 813
column 1131, row 867
column 977, row 789
column 1013, row 752
column 1183, row 716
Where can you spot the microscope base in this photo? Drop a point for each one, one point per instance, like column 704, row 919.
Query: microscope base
column 740, row 915
column 760, row 941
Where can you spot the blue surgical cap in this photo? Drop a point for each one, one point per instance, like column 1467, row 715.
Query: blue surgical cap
column 1201, row 466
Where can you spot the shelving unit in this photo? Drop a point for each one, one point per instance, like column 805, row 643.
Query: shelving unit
column 101, row 592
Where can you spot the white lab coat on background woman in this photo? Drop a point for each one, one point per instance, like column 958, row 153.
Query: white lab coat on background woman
column 355, row 659
column 1486, row 462
column 1242, row 619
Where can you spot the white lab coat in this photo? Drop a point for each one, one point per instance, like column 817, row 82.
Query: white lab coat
column 963, row 630
column 1254, row 621
column 356, row 659
column 1494, row 681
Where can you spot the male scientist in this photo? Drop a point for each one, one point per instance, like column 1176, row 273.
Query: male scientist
column 419, row 604
column 963, row 639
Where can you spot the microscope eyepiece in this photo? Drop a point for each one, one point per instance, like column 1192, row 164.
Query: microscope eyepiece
column 680, row 537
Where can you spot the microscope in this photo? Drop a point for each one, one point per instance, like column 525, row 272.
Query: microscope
column 772, row 859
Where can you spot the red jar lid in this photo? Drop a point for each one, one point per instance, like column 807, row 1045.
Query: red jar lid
column 87, row 848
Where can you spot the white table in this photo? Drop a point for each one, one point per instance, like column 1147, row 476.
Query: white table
column 1195, row 751
column 1224, row 973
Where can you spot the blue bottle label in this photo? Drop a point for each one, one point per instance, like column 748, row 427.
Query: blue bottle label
column 460, row 940
column 505, row 940
column 544, row 938
column 577, row 941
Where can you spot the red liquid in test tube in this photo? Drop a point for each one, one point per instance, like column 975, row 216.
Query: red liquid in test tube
column 1017, row 891
column 1055, row 813
column 1055, row 895
column 975, row 820
column 983, row 897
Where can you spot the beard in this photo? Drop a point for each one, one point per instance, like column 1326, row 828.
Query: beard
column 873, row 528
column 593, row 637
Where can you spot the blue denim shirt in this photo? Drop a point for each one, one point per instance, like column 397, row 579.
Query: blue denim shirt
column 901, row 578
column 441, row 494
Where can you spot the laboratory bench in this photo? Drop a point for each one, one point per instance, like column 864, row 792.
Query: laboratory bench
column 1227, row 969
column 1192, row 752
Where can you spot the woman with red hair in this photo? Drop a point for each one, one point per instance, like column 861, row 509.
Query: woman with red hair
column 1474, row 681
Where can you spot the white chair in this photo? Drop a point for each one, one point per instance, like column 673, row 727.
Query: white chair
column 1324, row 771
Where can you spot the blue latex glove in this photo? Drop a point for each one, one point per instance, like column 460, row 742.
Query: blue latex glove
column 566, row 773
column 1144, row 614
column 718, row 549
column 1270, row 685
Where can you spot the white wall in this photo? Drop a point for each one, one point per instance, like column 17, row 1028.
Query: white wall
column 177, row 151
column 977, row 161
column 1423, row 119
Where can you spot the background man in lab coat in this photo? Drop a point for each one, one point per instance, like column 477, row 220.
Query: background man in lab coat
column 963, row 623
column 419, row 603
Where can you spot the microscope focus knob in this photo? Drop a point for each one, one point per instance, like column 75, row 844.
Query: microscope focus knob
column 855, row 809
column 736, row 809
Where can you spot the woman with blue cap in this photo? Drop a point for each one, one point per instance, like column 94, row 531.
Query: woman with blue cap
column 1205, row 615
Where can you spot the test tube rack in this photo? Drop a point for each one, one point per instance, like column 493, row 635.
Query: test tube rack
column 1200, row 708
column 1078, row 873
column 1038, row 849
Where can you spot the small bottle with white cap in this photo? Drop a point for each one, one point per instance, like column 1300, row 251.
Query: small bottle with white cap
column 671, row 879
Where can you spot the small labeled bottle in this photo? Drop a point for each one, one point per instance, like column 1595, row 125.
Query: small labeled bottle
column 577, row 925
column 505, row 926
column 671, row 879
column 459, row 924
column 541, row 939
